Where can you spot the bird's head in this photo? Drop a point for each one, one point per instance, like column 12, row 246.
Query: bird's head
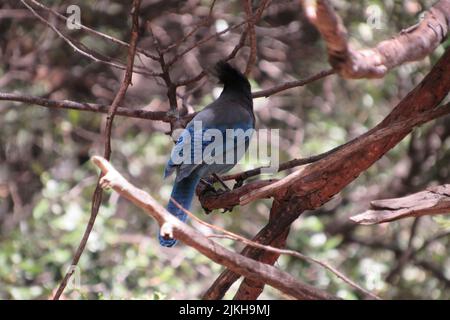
column 232, row 78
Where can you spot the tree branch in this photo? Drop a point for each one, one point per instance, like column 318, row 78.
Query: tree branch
column 80, row 48
column 252, row 36
column 271, row 250
column 291, row 84
column 432, row 201
column 409, row 45
column 173, row 227
column 98, row 193
column 311, row 186
column 84, row 106
column 94, row 32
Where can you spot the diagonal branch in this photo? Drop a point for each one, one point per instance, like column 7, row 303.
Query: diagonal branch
column 292, row 84
column 93, row 31
column 275, row 187
column 80, row 48
column 311, row 186
column 172, row 227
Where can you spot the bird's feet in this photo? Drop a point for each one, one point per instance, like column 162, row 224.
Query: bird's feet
column 238, row 184
column 208, row 190
column 207, row 187
column 229, row 209
column 221, row 182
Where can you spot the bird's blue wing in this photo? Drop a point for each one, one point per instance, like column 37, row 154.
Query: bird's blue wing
column 204, row 152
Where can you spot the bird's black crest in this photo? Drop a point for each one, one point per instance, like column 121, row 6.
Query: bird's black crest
column 230, row 76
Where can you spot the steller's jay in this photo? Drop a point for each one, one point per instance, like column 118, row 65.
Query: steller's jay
column 232, row 110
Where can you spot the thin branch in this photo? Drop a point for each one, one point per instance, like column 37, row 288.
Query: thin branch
column 203, row 41
column 95, row 32
column 291, row 84
column 80, row 106
column 205, row 22
column 255, row 17
column 98, row 193
column 161, row 115
column 252, row 36
column 84, row 52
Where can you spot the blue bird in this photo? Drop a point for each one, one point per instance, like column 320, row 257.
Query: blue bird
column 212, row 142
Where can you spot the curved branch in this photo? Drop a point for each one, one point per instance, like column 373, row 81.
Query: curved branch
column 410, row 44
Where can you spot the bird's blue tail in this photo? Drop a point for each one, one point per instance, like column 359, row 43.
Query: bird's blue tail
column 183, row 192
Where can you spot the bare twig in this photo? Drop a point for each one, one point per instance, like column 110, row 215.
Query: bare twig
column 291, row 84
column 95, row 32
column 98, row 193
column 84, row 50
column 160, row 115
column 69, row 41
column 255, row 18
column 203, row 41
column 203, row 23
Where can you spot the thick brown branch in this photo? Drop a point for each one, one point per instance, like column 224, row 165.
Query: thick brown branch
column 211, row 201
column 282, row 214
column 353, row 149
column 409, row 45
column 361, row 150
column 313, row 185
column 433, row 200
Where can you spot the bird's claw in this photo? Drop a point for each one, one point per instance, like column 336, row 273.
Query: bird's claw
column 230, row 209
column 238, row 184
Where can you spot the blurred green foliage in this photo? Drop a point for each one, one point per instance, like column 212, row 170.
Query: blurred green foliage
column 46, row 180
